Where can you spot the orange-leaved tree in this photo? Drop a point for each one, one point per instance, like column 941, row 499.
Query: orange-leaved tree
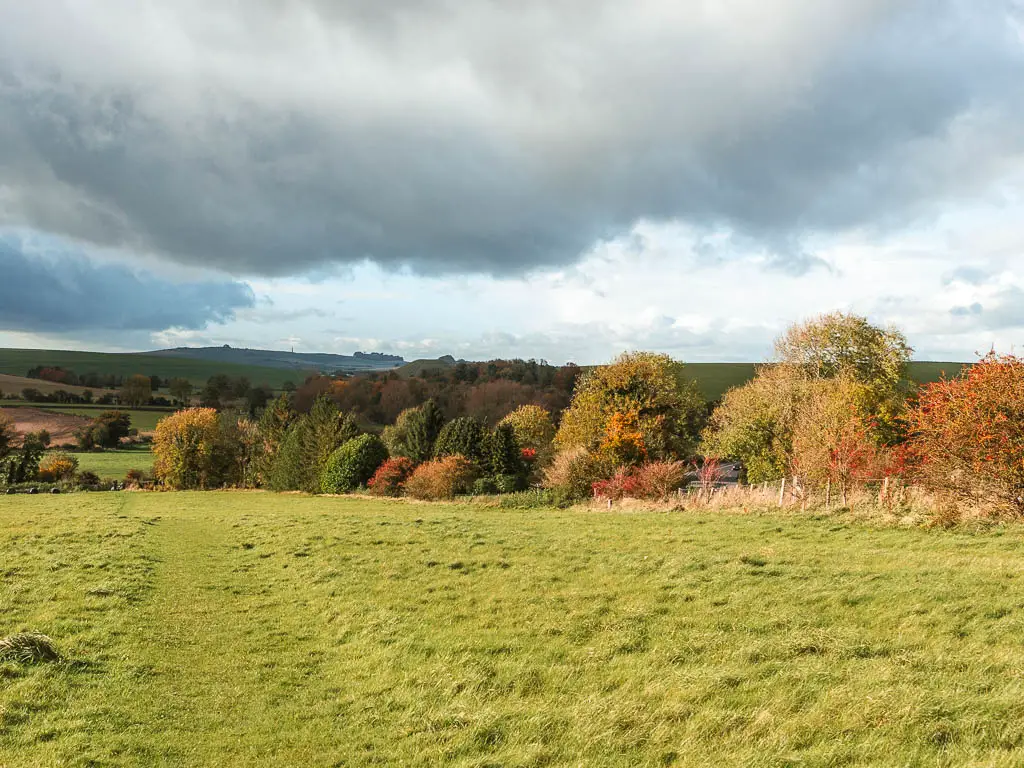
column 969, row 434
column 189, row 451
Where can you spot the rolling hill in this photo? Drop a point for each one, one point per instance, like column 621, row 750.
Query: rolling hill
column 17, row 362
column 292, row 361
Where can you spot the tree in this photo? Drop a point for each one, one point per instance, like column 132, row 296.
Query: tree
column 181, row 390
column 841, row 345
column 308, row 444
column 415, row 431
column 136, row 390
column 832, row 440
column 464, row 437
column 7, row 436
column 503, row 452
column 106, row 431
column 644, row 388
column 22, row 465
column 754, row 423
column 534, row 430
column 189, row 452
column 969, row 435
column 271, row 429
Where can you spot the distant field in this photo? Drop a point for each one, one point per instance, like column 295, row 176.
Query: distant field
column 142, row 420
column 114, row 465
column 249, row 629
column 17, row 362
column 714, row 379
column 14, row 384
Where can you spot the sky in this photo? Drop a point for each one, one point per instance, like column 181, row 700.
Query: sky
column 552, row 179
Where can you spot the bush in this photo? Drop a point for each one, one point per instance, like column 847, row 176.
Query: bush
column 659, row 479
column 105, row 431
column 353, row 464
column 391, row 476
column 572, row 474
column 464, row 437
column 136, row 477
column 87, row 479
column 22, row 466
column 535, row 498
column 969, row 432
column 509, row 483
column 441, row 479
column 484, row 486
column 58, row 467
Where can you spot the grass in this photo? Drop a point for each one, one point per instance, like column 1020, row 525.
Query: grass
column 18, row 362
column 261, row 630
column 114, row 465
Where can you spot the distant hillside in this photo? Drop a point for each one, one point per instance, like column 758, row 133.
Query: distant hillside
column 17, row 362
column 12, row 385
column 417, row 367
column 293, row 361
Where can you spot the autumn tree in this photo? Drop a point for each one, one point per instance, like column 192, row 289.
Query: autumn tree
column 647, row 390
column 534, row 430
column 136, row 390
column 969, row 434
column 181, row 390
column 190, row 452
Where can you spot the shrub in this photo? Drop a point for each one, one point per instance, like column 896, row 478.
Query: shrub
column 969, row 432
column 391, row 476
column 353, row 464
column 87, row 479
column 464, row 437
column 659, row 479
column 484, row 486
column 619, row 486
column 508, row 483
column 136, row 477
column 572, row 474
column 105, row 431
column 57, row 467
column 441, row 479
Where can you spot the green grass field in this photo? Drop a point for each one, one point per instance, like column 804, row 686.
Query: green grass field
column 18, row 362
column 249, row 629
column 114, row 465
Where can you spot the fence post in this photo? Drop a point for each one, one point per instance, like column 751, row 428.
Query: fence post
column 828, row 494
column 885, row 489
column 782, row 491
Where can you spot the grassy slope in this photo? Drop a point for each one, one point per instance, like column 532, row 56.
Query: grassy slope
column 260, row 630
column 18, row 361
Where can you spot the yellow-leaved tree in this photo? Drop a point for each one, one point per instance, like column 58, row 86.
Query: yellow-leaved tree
column 640, row 406
column 190, row 452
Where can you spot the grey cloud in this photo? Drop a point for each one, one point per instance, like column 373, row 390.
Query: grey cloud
column 968, row 275
column 61, row 291
column 464, row 137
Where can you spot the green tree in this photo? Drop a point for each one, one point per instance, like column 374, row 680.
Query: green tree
column 464, row 437
column 353, row 464
column 22, row 465
column 422, row 427
column 308, row 445
column 534, row 429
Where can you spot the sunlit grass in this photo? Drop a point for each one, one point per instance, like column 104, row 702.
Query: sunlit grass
column 252, row 629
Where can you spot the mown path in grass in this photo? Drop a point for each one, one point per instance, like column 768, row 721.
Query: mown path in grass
column 235, row 629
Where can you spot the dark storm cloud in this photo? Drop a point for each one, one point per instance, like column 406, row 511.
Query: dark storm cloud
column 60, row 291
column 465, row 137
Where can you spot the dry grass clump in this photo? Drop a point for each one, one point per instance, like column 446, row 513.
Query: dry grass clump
column 28, row 648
